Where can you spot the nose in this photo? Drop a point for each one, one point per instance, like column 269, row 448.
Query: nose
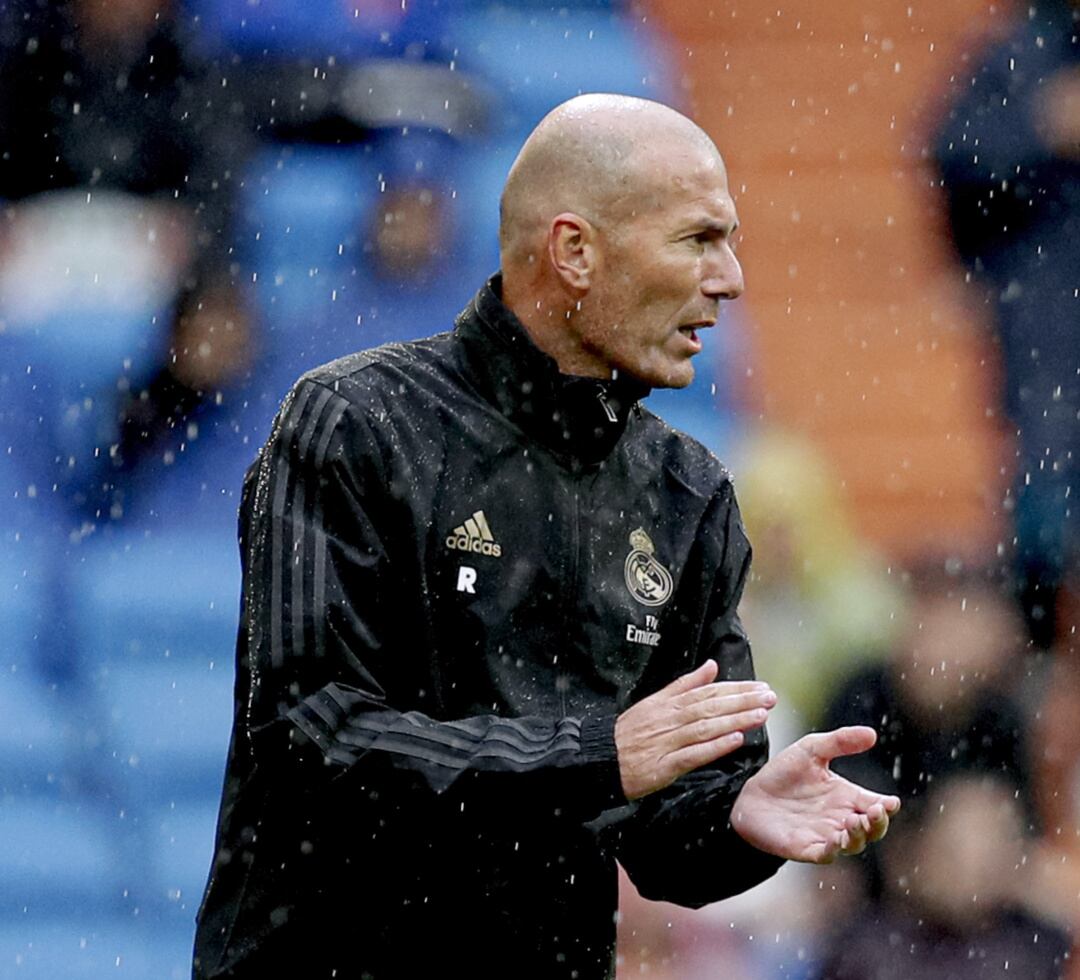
column 722, row 275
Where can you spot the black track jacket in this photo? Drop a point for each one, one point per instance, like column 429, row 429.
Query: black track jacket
column 459, row 566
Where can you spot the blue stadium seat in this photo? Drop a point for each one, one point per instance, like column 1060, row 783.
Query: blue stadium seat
column 537, row 58
column 33, row 746
column 60, row 856
column 87, row 947
column 59, row 388
column 183, row 841
column 283, row 29
column 157, row 614
column 170, row 722
column 22, row 562
column 151, row 597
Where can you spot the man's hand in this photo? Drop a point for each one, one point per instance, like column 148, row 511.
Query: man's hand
column 797, row 808
column 690, row 723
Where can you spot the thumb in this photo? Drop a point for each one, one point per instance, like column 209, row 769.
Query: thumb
column 705, row 674
column 826, row 746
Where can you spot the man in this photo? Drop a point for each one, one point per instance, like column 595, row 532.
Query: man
column 1008, row 152
column 489, row 637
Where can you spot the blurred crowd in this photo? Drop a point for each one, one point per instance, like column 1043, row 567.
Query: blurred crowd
column 200, row 200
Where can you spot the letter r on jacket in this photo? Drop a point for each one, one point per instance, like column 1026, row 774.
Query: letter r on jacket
column 466, row 579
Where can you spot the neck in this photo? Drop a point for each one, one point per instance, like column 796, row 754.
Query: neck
column 549, row 319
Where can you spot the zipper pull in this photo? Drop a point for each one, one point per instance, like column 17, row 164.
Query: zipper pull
column 606, row 406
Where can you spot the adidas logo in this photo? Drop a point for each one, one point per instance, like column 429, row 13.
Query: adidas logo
column 474, row 536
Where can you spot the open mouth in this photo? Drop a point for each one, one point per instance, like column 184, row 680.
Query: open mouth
column 690, row 330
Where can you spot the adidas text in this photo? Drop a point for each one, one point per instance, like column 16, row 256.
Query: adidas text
column 474, row 537
column 461, row 542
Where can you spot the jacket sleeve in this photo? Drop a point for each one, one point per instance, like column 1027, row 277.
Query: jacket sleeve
column 323, row 652
column 678, row 845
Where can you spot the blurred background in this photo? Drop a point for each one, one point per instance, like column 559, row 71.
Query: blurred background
column 200, row 199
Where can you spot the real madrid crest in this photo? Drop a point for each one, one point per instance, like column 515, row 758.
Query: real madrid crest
column 648, row 581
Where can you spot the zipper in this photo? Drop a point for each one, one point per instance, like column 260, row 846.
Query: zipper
column 601, row 396
column 571, row 578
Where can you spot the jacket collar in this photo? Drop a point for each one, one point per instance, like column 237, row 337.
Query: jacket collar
column 580, row 419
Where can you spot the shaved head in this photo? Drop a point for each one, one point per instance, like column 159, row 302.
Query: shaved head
column 616, row 239
column 590, row 156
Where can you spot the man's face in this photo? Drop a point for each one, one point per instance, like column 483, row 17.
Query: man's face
column 665, row 261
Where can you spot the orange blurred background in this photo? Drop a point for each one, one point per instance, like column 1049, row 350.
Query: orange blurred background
column 864, row 337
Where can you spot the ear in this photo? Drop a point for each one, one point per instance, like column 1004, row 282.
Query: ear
column 572, row 250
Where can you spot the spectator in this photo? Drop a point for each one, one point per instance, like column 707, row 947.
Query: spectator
column 941, row 703
column 411, row 227
column 955, row 901
column 1056, row 780
column 1009, row 153
column 819, row 600
column 113, row 110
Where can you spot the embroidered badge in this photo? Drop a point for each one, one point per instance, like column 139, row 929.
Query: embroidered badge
column 648, row 581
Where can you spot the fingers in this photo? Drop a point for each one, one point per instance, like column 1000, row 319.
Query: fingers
column 864, row 828
column 879, row 820
column 710, row 728
column 712, row 738
column 826, row 746
column 702, row 753
column 726, row 704
column 703, row 722
column 701, row 683
column 864, row 800
column 704, row 674
column 856, row 833
column 721, row 689
column 690, row 723
column 861, row 829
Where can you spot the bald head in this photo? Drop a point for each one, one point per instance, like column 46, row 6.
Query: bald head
column 616, row 239
column 595, row 156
